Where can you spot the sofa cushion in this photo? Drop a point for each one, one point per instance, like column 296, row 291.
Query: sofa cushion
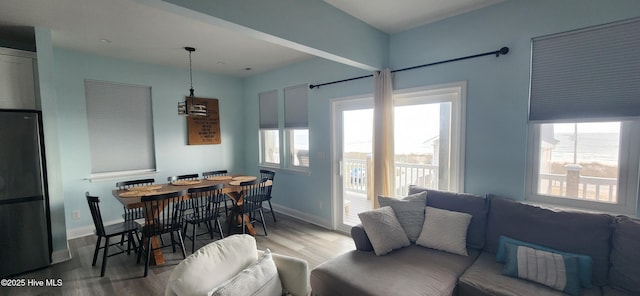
column 212, row 265
column 474, row 205
column 409, row 271
column 585, row 263
column 445, row 231
column 560, row 272
column 625, row 257
column 361, row 239
column 573, row 232
column 484, row 278
column 409, row 211
column 384, row 230
column 260, row 278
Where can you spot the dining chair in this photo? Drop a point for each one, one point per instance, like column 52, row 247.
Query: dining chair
column 252, row 197
column 128, row 228
column 270, row 175
column 215, row 173
column 163, row 215
column 205, row 202
column 133, row 214
column 226, row 200
column 183, row 177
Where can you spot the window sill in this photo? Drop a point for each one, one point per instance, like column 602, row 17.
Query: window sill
column 294, row 171
column 111, row 176
column 574, row 208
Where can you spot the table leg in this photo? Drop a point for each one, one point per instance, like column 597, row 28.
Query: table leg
column 157, row 253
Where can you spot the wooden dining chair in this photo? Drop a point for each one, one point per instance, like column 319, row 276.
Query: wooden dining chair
column 205, row 204
column 252, row 197
column 270, row 175
column 124, row 229
column 163, row 214
column 183, row 177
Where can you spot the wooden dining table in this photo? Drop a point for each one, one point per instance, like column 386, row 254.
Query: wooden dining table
column 132, row 198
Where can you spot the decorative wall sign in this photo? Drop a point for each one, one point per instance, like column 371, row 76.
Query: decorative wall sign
column 205, row 130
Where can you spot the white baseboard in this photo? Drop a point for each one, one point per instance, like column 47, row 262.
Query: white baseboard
column 60, row 256
column 86, row 230
column 302, row 216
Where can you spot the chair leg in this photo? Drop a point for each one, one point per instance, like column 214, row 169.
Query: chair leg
column 173, row 242
column 95, row 253
column 264, row 225
column 193, row 238
column 184, row 253
column 272, row 212
column 219, row 228
column 105, row 254
column 146, row 261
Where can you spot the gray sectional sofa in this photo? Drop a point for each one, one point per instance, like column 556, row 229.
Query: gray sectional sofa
column 612, row 243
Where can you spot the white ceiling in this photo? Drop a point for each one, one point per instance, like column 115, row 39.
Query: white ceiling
column 401, row 15
column 142, row 33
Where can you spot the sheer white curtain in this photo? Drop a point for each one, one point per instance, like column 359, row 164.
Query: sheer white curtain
column 383, row 156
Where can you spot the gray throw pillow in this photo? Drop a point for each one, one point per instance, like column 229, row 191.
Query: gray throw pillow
column 445, row 231
column 384, row 230
column 409, row 211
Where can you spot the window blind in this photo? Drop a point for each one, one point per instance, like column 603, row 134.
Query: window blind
column 268, row 109
column 296, row 106
column 120, row 127
column 587, row 74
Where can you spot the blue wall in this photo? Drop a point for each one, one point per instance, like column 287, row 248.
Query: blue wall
column 497, row 93
column 496, row 121
column 173, row 155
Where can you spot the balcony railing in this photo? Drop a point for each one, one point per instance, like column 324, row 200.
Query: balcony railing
column 355, row 176
column 589, row 188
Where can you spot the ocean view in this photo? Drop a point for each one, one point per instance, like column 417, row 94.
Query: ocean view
column 592, row 147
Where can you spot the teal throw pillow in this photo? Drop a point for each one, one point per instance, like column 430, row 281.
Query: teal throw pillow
column 553, row 270
column 585, row 263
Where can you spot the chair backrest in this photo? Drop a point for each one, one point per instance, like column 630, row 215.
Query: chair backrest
column 205, row 201
column 162, row 212
column 183, row 177
column 270, row 175
column 267, row 174
column 134, row 183
column 253, row 193
column 94, row 207
column 215, row 173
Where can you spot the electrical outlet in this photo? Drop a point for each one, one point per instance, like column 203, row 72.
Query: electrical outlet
column 75, row 215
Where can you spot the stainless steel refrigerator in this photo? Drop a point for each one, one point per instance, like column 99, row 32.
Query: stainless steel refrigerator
column 25, row 229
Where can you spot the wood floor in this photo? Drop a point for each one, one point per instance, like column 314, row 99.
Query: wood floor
column 124, row 277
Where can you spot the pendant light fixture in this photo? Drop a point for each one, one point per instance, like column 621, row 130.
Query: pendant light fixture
column 189, row 107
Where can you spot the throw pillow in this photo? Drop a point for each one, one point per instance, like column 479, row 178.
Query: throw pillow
column 409, row 211
column 584, row 262
column 445, row 230
column 384, row 230
column 553, row 270
column 260, row 278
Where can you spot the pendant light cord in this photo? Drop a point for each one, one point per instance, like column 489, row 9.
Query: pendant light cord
column 190, row 50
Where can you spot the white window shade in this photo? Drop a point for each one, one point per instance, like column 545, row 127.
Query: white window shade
column 268, row 109
column 120, row 127
column 588, row 74
column 296, row 106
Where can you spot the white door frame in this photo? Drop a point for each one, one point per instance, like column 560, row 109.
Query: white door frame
column 337, row 107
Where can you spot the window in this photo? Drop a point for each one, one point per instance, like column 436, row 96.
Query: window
column 296, row 126
column 269, row 133
column 584, row 138
column 295, row 142
column 120, row 129
column 586, row 164
column 429, row 154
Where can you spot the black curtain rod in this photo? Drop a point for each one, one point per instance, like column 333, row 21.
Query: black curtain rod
column 501, row 51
